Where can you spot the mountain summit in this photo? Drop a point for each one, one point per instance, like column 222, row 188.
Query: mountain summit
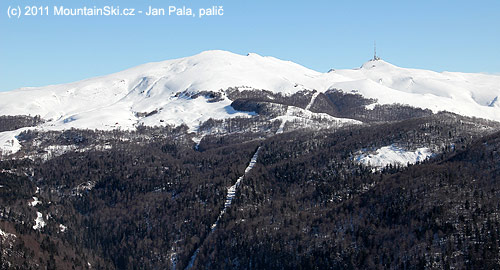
column 166, row 87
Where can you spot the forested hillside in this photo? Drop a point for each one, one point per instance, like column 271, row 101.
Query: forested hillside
column 147, row 199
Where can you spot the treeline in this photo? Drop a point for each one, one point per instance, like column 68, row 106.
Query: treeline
column 13, row 122
column 334, row 102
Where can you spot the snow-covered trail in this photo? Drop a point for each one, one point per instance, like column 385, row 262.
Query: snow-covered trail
column 283, row 122
column 313, row 98
column 287, row 114
column 231, row 193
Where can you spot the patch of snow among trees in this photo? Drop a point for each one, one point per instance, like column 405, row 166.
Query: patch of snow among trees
column 306, row 118
column 39, row 222
column 6, row 234
column 394, row 155
column 35, row 202
column 83, row 187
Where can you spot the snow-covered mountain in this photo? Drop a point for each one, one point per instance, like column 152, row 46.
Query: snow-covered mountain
column 468, row 94
column 165, row 88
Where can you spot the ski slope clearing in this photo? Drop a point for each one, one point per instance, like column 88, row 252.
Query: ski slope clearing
column 313, row 98
column 306, row 118
column 231, row 193
column 9, row 144
column 392, row 155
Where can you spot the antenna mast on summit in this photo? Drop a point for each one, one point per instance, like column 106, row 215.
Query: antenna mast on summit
column 375, row 58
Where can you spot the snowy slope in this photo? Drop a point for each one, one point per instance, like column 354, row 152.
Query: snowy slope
column 463, row 93
column 113, row 101
column 392, row 155
column 8, row 141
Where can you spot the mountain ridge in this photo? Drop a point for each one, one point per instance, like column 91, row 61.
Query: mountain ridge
column 166, row 88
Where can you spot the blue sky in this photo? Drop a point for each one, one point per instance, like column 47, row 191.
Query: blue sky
column 437, row 35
